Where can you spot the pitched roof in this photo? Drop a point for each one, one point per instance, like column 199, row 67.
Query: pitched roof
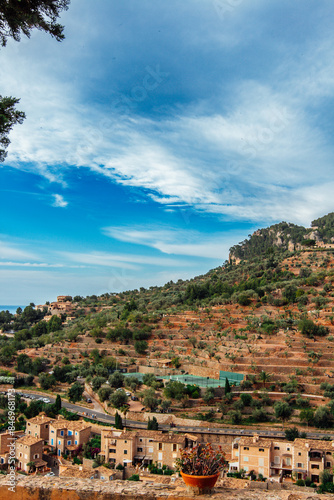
column 75, row 425
column 29, row 440
column 155, row 435
column 309, row 444
column 39, row 419
column 73, row 471
column 259, row 443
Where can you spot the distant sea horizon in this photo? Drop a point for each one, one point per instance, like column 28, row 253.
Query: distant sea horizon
column 11, row 309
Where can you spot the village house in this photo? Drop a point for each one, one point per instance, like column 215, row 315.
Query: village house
column 39, row 427
column 29, row 450
column 67, row 435
column 251, row 454
column 143, row 447
column 281, row 459
column 64, row 298
column 311, row 457
column 7, row 439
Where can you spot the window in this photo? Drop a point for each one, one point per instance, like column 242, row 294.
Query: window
column 125, row 441
column 328, row 453
column 246, row 459
column 125, row 452
column 160, row 446
column 52, row 432
column 61, row 433
column 59, row 441
column 276, row 447
column 261, row 449
column 174, row 447
column 36, row 455
column 112, row 450
column 140, row 450
column 276, row 460
column 300, row 465
column 47, row 426
column 288, row 449
column 288, row 461
column 245, row 468
column 69, row 442
column 75, row 442
column 246, row 448
column 261, row 462
column 314, row 466
column 328, row 464
column 140, row 440
column 150, row 440
column 150, row 450
column 299, row 454
column 70, row 433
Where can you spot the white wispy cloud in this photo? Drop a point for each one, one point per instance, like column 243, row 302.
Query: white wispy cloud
column 10, row 251
column 59, row 201
column 176, row 241
column 253, row 156
column 120, row 260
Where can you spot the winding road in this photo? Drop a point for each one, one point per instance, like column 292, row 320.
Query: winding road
column 98, row 416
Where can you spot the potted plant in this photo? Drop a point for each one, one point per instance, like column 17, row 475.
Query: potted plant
column 200, row 467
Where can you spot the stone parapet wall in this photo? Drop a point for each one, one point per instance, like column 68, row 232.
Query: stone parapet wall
column 38, row 488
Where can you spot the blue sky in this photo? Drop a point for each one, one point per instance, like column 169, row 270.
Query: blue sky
column 159, row 134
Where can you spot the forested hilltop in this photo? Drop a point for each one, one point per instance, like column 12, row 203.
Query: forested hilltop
column 285, row 236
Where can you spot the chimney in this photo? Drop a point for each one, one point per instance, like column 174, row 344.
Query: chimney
column 255, row 438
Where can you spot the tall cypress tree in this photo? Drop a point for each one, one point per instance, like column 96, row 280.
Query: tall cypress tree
column 227, row 386
column 58, row 403
column 118, row 421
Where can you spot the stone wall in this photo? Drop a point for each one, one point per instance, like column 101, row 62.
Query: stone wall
column 54, row 488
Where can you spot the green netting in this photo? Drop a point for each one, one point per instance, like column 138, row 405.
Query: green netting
column 234, row 378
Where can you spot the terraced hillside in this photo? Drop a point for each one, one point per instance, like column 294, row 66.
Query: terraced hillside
column 272, row 313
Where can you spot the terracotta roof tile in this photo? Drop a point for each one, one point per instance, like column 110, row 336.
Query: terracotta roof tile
column 29, row 440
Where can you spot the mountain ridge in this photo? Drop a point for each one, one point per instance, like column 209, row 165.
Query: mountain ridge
column 285, row 236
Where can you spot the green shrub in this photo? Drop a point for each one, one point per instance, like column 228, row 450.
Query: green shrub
column 134, row 477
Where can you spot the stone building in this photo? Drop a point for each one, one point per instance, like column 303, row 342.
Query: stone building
column 143, row 447
column 39, row 426
column 29, row 449
column 67, row 435
column 280, row 459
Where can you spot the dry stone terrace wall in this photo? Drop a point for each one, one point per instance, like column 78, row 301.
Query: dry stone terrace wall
column 281, row 354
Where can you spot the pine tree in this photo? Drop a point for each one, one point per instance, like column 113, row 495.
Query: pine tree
column 21, row 17
column 227, row 386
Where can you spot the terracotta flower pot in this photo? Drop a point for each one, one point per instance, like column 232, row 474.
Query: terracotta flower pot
column 202, row 484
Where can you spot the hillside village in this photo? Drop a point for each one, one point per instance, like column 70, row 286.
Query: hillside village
column 249, row 345
column 49, row 444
